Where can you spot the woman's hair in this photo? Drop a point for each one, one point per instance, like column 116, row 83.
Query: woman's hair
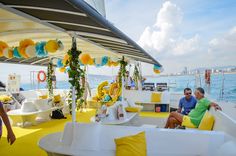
column 201, row 90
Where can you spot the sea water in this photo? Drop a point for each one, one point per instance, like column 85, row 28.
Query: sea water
column 219, row 84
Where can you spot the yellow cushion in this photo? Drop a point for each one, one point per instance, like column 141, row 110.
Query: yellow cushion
column 132, row 109
column 5, row 98
column 57, row 98
column 156, row 97
column 207, row 122
column 134, row 145
column 43, row 97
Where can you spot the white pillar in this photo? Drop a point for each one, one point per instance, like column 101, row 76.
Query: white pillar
column 122, row 90
column 73, row 105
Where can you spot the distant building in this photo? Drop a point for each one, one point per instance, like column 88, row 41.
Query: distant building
column 185, row 71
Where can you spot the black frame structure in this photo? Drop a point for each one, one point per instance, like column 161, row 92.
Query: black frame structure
column 75, row 16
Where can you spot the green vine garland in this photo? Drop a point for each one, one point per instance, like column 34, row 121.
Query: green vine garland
column 75, row 74
column 122, row 70
column 136, row 76
column 49, row 79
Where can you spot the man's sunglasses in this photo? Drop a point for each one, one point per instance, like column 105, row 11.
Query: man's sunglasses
column 188, row 93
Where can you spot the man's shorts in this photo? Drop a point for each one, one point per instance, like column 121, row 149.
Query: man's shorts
column 187, row 122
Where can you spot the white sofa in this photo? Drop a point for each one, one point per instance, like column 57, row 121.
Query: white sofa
column 98, row 140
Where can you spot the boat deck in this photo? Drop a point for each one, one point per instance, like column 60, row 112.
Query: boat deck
column 27, row 138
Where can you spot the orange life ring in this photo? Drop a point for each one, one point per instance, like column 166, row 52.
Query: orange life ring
column 39, row 76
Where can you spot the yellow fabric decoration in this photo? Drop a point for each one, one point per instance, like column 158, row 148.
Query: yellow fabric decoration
column 51, row 46
column 3, row 46
column 156, row 97
column 43, row 97
column 187, row 122
column 91, row 62
column 134, row 145
column 207, row 122
column 23, row 45
column 5, row 98
column 132, row 109
column 85, row 58
column 57, row 98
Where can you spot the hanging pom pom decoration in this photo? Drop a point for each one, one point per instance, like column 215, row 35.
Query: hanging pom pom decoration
column 104, row 60
column 40, row 51
column 115, row 64
column 84, row 58
column 59, row 63
column 3, row 46
column 109, row 63
column 30, row 51
column 51, row 46
column 98, row 62
column 65, row 59
column 156, row 67
column 62, row 70
column 8, row 53
column 156, row 71
column 16, row 53
column 91, row 62
column 23, row 45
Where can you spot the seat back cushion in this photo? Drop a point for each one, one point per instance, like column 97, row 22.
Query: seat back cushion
column 207, row 122
column 156, row 97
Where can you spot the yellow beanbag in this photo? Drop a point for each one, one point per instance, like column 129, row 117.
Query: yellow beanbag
column 57, row 98
column 5, row 98
column 132, row 109
column 156, row 97
column 207, row 122
column 134, row 145
column 43, row 97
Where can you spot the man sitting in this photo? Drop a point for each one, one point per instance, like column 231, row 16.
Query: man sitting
column 187, row 103
column 193, row 119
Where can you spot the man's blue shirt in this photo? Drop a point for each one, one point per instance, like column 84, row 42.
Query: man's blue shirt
column 187, row 105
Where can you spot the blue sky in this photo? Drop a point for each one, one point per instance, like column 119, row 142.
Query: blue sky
column 178, row 33
column 199, row 15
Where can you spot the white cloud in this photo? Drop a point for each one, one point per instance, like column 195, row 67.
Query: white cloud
column 165, row 41
column 164, row 38
column 224, row 44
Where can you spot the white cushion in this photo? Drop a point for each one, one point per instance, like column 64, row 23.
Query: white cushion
column 28, row 107
column 88, row 135
column 42, row 104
